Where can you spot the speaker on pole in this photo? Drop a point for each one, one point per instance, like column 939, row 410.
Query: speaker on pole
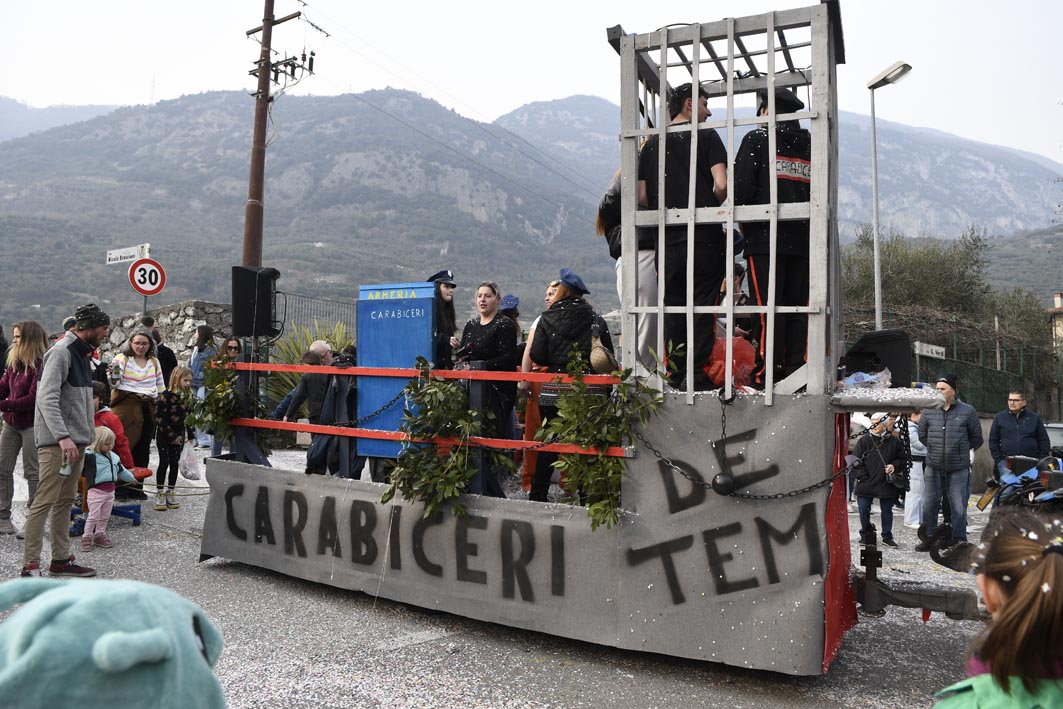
column 255, row 301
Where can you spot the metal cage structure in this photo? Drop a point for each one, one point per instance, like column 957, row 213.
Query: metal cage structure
column 731, row 59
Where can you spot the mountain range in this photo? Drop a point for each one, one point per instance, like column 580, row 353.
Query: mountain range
column 388, row 186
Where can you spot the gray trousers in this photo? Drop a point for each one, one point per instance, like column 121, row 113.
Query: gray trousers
column 12, row 441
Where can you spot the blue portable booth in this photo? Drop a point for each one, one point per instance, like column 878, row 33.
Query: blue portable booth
column 394, row 328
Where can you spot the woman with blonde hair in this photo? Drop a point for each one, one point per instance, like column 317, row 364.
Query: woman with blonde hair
column 18, row 397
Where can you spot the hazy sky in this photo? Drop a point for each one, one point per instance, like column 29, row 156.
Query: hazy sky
column 989, row 71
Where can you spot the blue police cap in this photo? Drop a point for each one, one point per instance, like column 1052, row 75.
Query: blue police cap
column 509, row 302
column 444, row 276
column 573, row 282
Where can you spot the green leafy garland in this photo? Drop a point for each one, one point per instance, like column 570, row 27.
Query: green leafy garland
column 436, row 474
column 222, row 403
column 588, row 419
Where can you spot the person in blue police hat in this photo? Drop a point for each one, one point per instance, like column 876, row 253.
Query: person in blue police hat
column 445, row 328
column 509, row 308
column 568, row 322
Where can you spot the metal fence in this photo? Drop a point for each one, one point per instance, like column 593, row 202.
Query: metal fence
column 304, row 310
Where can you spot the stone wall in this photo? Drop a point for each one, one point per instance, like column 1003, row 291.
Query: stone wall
column 176, row 323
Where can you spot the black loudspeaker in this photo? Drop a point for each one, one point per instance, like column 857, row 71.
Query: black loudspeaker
column 255, row 301
column 880, row 349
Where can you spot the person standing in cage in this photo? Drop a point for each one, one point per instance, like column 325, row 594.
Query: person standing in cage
column 607, row 224
column 752, row 185
column 710, row 190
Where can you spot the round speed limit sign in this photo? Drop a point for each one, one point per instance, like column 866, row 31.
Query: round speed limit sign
column 147, row 276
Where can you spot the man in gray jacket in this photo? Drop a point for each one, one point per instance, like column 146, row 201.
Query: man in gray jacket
column 62, row 427
column 949, row 434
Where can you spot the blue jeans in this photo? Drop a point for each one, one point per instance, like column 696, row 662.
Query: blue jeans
column 958, row 485
column 885, row 505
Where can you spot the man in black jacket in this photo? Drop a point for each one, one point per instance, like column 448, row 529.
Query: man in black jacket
column 710, row 190
column 752, row 185
column 950, row 435
column 1017, row 432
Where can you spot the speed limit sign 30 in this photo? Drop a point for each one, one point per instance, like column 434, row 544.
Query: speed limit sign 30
column 147, row 276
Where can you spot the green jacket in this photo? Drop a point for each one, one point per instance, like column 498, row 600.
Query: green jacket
column 982, row 692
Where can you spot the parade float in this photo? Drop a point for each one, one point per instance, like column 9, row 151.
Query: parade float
column 731, row 543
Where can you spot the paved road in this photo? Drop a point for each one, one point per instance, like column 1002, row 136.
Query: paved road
column 291, row 643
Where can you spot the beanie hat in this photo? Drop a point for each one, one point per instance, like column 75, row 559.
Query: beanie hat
column 949, row 379
column 89, row 316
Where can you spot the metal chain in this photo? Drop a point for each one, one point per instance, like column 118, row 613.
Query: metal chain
column 382, row 409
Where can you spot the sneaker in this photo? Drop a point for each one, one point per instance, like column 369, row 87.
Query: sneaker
column 171, row 501
column 31, row 569
column 160, row 502
column 102, row 541
column 6, row 527
column 889, row 542
column 86, row 542
column 20, row 534
column 922, row 546
column 67, row 567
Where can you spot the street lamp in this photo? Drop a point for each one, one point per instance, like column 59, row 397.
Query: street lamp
column 892, row 75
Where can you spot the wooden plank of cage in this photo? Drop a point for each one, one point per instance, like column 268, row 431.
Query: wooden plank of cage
column 629, row 116
column 717, row 30
column 786, row 49
column 662, row 127
column 707, row 44
column 748, row 54
column 745, row 54
column 823, row 165
column 644, row 68
column 692, row 203
column 647, row 106
column 683, row 61
column 722, row 123
column 773, row 220
column 837, row 330
column 788, row 211
column 728, row 238
column 752, row 83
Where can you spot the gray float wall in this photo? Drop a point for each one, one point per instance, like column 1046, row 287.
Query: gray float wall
column 686, row 573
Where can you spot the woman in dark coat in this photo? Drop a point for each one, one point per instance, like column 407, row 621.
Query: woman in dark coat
column 568, row 321
column 881, row 462
column 491, row 338
column 446, row 322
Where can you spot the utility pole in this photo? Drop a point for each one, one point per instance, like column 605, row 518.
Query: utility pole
column 264, row 70
column 253, row 211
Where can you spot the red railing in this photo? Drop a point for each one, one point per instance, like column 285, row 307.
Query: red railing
column 597, row 379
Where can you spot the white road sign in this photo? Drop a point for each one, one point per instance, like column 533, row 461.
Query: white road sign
column 131, row 253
